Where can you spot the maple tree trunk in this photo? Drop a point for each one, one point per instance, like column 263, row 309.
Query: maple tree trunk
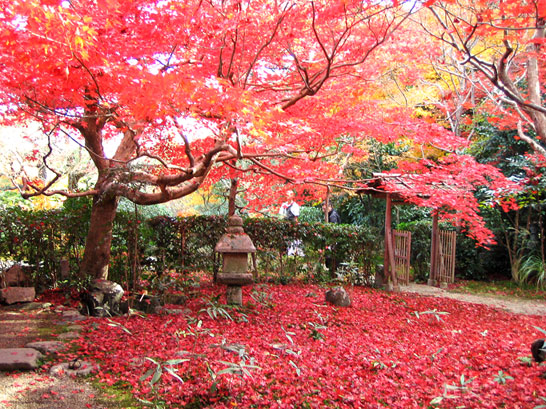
column 96, row 256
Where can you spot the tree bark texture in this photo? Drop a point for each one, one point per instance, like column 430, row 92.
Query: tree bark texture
column 96, row 257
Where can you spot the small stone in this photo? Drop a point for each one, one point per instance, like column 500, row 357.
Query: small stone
column 102, row 299
column 175, row 299
column 74, row 368
column 234, row 295
column 19, row 358
column 69, row 316
column 146, row 303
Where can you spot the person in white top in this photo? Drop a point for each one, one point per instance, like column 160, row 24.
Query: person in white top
column 290, row 209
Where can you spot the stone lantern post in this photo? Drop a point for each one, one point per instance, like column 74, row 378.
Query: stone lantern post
column 235, row 246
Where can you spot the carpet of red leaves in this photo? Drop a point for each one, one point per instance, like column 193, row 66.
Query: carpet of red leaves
column 388, row 350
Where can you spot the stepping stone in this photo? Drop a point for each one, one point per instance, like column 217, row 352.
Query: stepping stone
column 68, row 335
column 19, row 358
column 46, row 347
column 72, row 316
column 12, row 295
column 32, row 306
column 75, row 328
column 78, row 368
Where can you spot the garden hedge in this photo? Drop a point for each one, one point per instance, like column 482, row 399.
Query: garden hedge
column 41, row 239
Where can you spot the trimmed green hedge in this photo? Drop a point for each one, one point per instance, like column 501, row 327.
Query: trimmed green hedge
column 42, row 239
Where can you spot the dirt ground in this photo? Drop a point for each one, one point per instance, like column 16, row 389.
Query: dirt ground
column 21, row 324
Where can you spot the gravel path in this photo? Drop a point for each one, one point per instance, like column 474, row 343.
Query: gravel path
column 19, row 325
column 510, row 304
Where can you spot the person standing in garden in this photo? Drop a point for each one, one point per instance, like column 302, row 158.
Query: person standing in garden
column 333, row 217
column 290, row 210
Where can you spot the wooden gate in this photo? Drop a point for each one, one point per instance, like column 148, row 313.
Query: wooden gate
column 402, row 253
column 443, row 261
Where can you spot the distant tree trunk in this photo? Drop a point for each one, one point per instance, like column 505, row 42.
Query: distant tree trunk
column 96, row 256
column 232, row 196
column 73, row 179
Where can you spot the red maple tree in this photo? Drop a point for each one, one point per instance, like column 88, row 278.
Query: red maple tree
column 199, row 90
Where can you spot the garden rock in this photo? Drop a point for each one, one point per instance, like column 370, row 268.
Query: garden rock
column 149, row 304
column 338, row 296
column 538, row 349
column 19, row 359
column 12, row 295
column 46, row 347
column 102, row 299
column 13, row 277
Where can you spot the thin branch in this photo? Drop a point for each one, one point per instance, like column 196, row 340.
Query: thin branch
column 536, row 146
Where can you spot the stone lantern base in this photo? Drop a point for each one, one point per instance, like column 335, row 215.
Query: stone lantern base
column 234, row 295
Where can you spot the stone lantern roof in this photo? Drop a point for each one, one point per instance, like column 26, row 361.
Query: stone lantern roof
column 235, row 240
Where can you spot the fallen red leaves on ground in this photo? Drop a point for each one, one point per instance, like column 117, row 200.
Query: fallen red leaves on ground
column 288, row 349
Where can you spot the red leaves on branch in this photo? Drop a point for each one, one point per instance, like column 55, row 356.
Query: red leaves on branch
column 387, row 350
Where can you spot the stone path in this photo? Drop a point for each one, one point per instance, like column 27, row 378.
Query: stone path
column 510, row 304
column 23, row 325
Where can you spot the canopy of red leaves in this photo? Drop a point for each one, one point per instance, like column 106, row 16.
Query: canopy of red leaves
column 268, row 91
column 386, row 350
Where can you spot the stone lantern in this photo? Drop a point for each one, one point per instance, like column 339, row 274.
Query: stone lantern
column 234, row 247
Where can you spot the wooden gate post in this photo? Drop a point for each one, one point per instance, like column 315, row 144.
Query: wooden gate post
column 432, row 280
column 390, row 265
